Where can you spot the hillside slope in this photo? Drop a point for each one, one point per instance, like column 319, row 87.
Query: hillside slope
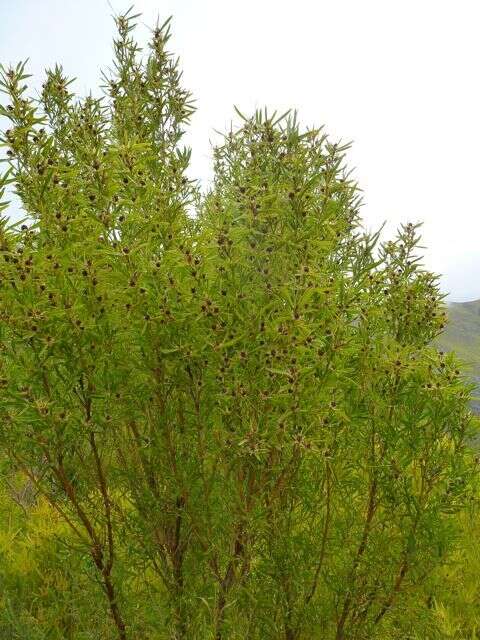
column 462, row 335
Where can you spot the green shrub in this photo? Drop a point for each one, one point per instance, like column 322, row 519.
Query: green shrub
column 237, row 414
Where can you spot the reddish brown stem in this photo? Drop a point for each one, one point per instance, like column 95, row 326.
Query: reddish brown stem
column 358, row 556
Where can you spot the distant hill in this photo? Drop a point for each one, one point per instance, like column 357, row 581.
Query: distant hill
column 462, row 335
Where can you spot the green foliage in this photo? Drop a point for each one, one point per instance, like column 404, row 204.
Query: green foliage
column 461, row 335
column 238, row 416
column 45, row 590
column 457, row 592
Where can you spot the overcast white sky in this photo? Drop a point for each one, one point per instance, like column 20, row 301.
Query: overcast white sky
column 398, row 78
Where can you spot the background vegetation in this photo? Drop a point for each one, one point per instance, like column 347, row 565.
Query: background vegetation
column 461, row 335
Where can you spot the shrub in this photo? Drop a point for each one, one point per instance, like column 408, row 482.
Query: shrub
column 238, row 414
